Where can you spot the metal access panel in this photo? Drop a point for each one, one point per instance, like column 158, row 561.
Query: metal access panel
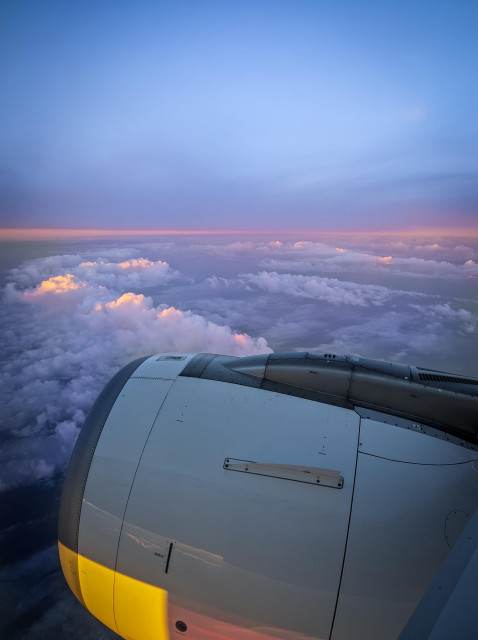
column 414, row 494
column 249, row 550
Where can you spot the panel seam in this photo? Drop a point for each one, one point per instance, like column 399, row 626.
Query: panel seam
column 348, row 531
column 422, row 464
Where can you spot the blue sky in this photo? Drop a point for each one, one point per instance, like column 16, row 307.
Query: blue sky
column 303, row 114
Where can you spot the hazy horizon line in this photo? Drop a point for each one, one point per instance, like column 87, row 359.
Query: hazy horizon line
column 54, row 233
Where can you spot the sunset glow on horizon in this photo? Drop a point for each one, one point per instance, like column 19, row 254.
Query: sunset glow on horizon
column 21, row 234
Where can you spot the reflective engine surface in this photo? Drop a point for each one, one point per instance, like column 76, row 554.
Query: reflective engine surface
column 290, row 496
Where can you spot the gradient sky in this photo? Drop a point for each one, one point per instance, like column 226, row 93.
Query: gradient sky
column 202, row 114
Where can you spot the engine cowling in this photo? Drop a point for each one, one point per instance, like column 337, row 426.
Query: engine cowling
column 290, row 496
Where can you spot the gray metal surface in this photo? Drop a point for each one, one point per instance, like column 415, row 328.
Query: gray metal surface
column 449, row 609
column 80, row 461
column 262, row 550
column 117, row 456
column 386, row 441
column 113, row 467
column 414, row 425
column 252, row 551
column 407, row 484
column 444, row 401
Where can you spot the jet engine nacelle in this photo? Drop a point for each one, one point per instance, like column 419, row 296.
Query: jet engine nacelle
column 284, row 496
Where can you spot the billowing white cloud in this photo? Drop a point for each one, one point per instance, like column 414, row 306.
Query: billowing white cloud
column 67, row 334
column 241, row 248
column 218, row 282
column 327, row 289
column 402, row 336
column 407, row 256
column 133, row 273
column 125, row 272
column 463, row 319
column 340, row 261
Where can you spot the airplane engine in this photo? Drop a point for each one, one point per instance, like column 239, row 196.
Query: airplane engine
column 285, row 496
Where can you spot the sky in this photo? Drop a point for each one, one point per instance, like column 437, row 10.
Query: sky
column 239, row 115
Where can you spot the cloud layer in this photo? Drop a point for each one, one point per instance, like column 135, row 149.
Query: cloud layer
column 407, row 298
column 66, row 334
